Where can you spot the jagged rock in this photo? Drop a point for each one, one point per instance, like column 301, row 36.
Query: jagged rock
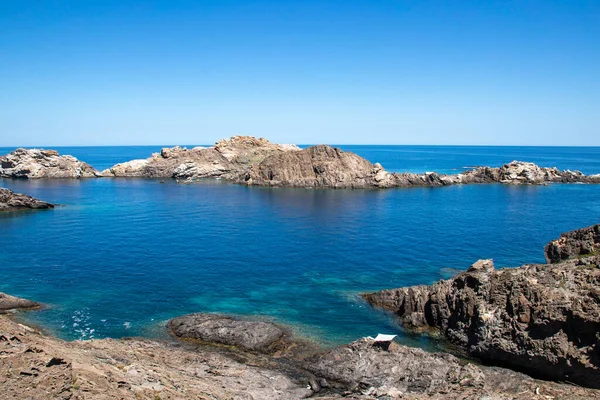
column 260, row 336
column 38, row 163
column 542, row 319
column 247, row 150
column 579, row 243
column 207, row 162
column 227, row 158
column 10, row 201
column 521, row 173
column 8, row 302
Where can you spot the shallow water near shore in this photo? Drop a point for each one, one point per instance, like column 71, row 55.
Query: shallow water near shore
column 124, row 255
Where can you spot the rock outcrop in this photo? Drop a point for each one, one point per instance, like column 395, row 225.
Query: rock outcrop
column 259, row 336
column 8, row 302
column 541, row 319
column 579, row 243
column 326, row 166
column 37, row 367
column 227, row 158
column 11, row 201
column 317, row 166
column 38, row 164
column 372, row 371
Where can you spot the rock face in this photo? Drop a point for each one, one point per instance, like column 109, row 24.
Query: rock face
column 37, row 164
column 8, row 302
column 257, row 336
column 580, row 243
column 10, row 201
column 227, row 158
column 317, row 166
column 541, row 319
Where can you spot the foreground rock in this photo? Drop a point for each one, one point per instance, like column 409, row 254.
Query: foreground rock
column 227, row 158
column 8, row 302
column 264, row 337
column 541, row 319
column 579, row 243
column 11, row 201
column 372, row 371
column 33, row 366
column 38, row 164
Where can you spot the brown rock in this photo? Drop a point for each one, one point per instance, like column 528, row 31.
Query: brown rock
column 542, row 319
column 10, row 201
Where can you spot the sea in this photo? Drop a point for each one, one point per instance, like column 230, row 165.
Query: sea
column 120, row 257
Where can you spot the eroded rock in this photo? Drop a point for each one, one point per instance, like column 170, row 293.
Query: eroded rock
column 579, row 243
column 11, row 201
column 542, row 319
column 38, row 164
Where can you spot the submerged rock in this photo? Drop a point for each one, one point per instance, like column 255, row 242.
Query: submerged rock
column 11, row 201
column 541, row 319
column 260, row 336
column 8, row 302
column 38, row 163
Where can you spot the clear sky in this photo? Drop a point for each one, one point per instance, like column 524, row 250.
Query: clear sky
column 103, row 72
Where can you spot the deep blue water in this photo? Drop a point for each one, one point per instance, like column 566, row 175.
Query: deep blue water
column 124, row 255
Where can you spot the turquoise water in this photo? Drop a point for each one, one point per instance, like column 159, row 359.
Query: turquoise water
column 124, row 255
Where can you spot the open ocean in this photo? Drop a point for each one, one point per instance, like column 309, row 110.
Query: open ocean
column 122, row 256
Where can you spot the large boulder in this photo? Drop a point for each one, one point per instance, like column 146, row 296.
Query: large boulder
column 542, row 319
column 11, row 201
column 38, row 163
column 579, row 243
column 255, row 336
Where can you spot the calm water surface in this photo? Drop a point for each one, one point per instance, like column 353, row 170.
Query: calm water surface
column 124, row 255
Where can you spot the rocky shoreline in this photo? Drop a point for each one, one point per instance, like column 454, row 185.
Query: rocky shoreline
column 540, row 319
column 11, row 201
column 258, row 162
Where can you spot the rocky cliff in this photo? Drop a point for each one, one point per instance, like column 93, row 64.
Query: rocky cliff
column 541, row 319
column 11, row 201
column 38, row 164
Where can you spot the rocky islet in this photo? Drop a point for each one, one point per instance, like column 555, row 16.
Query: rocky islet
column 258, row 162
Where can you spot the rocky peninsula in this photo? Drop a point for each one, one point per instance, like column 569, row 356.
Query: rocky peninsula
column 258, row 162
column 543, row 319
column 11, row 201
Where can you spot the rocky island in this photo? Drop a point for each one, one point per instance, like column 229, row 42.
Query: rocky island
column 11, row 201
column 541, row 319
column 47, row 164
column 258, row 162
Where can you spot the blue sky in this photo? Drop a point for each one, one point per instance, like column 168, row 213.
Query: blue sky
column 383, row 72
